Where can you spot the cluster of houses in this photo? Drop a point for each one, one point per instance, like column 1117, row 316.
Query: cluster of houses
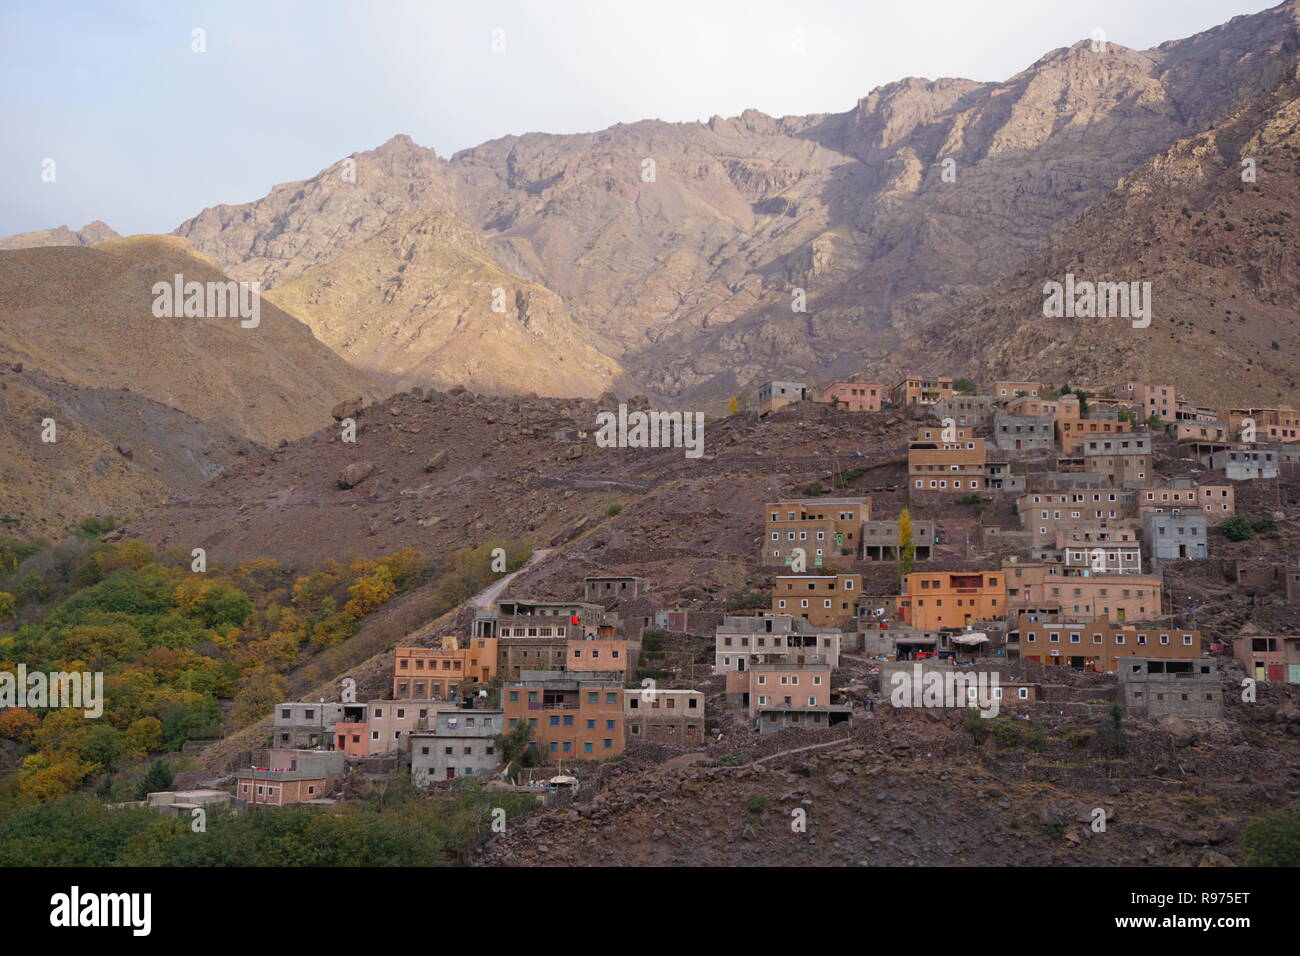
column 561, row 668
column 1079, row 585
column 1093, row 524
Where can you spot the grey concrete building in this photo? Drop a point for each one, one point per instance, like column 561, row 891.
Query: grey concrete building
column 460, row 743
column 1243, row 464
column 966, row 410
column 899, row 641
column 742, row 641
column 1119, row 458
column 1188, row 687
column 1023, row 432
column 1175, row 534
column 810, row 717
column 605, row 590
column 880, row 539
column 999, row 476
column 774, row 395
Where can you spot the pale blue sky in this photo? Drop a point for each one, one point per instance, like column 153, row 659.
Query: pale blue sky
column 145, row 133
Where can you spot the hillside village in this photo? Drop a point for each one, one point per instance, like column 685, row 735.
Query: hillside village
column 1063, row 562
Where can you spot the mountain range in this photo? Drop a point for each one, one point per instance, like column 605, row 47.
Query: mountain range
column 688, row 262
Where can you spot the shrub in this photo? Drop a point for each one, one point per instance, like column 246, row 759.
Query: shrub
column 652, row 639
column 746, row 599
column 1236, row 528
column 1273, row 839
column 1111, row 735
column 975, row 725
column 95, row 527
column 1015, row 735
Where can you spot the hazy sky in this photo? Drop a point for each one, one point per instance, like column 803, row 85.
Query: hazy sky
column 145, row 132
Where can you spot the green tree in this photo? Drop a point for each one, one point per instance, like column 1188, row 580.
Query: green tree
column 157, row 778
column 31, row 588
column 101, row 745
column 964, row 386
column 1112, row 734
column 513, row 746
column 975, row 725
column 1236, row 528
column 1273, row 839
column 182, row 721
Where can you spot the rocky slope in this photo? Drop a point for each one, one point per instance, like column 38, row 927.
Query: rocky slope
column 84, row 315
column 423, row 302
column 686, row 277
column 115, row 453
column 441, row 471
column 911, row 789
column 1221, row 253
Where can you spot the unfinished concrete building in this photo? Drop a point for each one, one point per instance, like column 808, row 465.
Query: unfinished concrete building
column 880, row 539
column 606, row 590
column 1187, row 687
column 664, row 716
column 741, row 641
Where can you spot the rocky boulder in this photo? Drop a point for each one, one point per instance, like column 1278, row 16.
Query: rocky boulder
column 355, row 473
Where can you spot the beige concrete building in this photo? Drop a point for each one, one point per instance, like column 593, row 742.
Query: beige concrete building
column 824, row 528
column 950, row 461
column 921, row 390
column 1099, row 645
column 1048, row 587
column 822, row 600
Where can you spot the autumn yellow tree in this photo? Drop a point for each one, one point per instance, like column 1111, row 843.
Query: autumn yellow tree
column 258, row 693
column 45, row 776
column 906, row 546
column 144, row 736
column 372, row 591
column 17, row 723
